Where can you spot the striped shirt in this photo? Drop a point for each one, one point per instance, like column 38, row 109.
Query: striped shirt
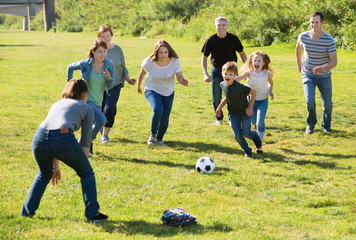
column 316, row 51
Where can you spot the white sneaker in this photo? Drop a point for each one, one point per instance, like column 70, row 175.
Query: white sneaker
column 219, row 122
column 105, row 139
column 151, row 141
column 160, row 143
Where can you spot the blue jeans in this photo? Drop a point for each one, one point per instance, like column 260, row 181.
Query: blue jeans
column 325, row 88
column 49, row 144
column 99, row 119
column 241, row 126
column 161, row 106
column 109, row 105
column 216, row 89
column 259, row 114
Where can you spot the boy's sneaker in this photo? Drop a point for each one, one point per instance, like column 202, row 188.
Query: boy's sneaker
column 309, row 130
column 259, row 150
column 151, row 141
column 219, row 122
column 160, row 143
column 248, row 155
column 327, row 130
column 98, row 218
column 105, row 139
column 91, row 153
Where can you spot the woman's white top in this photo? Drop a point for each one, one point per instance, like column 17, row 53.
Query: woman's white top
column 161, row 79
column 259, row 82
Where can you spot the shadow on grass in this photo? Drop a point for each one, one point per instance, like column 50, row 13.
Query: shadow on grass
column 334, row 156
column 335, row 132
column 200, row 147
column 272, row 157
column 122, row 140
column 218, row 171
column 341, row 133
column 191, row 146
column 141, row 227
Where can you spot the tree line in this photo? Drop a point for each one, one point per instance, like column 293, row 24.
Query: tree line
column 260, row 22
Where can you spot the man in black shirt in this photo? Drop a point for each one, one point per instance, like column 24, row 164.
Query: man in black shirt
column 223, row 47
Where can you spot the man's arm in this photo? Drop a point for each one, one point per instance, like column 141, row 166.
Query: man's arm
column 243, row 56
column 326, row 67
column 204, row 66
column 298, row 54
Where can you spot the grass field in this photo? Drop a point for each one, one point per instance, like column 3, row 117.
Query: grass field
column 302, row 187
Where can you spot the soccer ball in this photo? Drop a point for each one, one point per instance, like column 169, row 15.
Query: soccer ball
column 205, row 165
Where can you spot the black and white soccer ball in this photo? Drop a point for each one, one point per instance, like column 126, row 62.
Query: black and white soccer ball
column 205, row 165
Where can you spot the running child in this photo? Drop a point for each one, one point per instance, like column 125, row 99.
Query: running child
column 258, row 76
column 98, row 72
column 240, row 109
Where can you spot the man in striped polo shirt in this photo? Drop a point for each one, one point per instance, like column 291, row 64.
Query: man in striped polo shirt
column 319, row 57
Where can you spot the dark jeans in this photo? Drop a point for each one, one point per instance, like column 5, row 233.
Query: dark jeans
column 161, row 106
column 49, row 144
column 241, row 126
column 216, row 89
column 109, row 105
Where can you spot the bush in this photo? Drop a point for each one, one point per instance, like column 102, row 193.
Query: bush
column 158, row 28
column 11, row 22
column 2, row 18
column 199, row 28
column 37, row 23
column 262, row 22
column 175, row 28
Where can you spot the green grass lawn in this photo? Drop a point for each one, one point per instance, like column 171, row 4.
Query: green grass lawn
column 301, row 187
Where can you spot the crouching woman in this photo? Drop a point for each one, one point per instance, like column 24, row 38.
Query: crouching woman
column 54, row 140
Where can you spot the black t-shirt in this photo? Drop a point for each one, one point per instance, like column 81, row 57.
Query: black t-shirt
column 236, row 96
column 222, row 49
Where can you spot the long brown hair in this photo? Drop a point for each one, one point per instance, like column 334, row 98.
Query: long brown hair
column 248, row 66
column 159, row 44
column 95, row 44
column 75, row 89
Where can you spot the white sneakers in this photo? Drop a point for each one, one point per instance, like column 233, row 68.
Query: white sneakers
column 219, row 122
column 105, row 139
column 160, row 143
column 152, row 141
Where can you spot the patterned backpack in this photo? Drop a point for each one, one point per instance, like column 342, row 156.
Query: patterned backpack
column 177, row 217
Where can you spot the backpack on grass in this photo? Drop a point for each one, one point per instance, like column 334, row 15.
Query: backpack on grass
column 177, row 217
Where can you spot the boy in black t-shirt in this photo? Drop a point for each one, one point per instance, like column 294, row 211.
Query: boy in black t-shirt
column 240, row 109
